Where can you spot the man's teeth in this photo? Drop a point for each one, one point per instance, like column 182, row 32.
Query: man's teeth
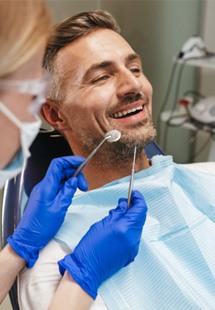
column 124, row 113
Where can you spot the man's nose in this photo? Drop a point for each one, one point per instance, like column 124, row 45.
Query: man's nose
column 128, row 83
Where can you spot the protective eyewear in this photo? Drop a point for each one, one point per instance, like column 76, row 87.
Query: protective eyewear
column 38, row 88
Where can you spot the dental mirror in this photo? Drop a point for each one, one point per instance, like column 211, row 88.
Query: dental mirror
column 111, row 136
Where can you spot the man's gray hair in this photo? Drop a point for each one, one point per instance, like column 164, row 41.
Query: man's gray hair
column 65, row 33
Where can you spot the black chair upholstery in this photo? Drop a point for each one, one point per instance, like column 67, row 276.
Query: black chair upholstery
column 153, row 149
column 47, row 145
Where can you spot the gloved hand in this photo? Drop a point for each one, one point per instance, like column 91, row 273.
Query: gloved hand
column 109, row 245
column 47, row 207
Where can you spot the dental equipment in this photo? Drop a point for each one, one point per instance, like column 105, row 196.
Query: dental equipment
column 131, row 178
column 111, row 136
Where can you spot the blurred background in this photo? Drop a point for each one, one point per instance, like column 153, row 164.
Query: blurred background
column 157, row 30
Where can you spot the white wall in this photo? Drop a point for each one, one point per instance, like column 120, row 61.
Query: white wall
column 62, row 9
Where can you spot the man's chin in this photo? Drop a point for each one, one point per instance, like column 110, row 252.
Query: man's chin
column 138, row 136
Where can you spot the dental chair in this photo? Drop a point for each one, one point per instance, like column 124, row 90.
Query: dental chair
column 47, row 145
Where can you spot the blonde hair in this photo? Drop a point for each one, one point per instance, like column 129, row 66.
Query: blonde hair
column 24, row 28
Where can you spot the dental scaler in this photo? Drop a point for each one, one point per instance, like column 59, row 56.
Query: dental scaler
column 111, row 136
column 131, row 177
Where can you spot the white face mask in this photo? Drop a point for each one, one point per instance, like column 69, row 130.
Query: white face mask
column 28, row 132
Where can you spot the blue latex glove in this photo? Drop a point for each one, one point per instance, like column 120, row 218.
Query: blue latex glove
column 109, row 245
column 47, row 207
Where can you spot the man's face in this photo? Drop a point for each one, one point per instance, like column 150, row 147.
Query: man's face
column 105, row 89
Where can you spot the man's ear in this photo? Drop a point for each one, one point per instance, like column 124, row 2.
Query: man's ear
column 50, row 113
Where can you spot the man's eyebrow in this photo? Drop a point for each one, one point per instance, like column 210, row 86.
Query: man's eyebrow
column 104, row 64
column 108, row 63
column 98, row 66
column 133, row 56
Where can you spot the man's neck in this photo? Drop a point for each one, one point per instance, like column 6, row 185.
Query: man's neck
column 98, row 176
column 103, row 170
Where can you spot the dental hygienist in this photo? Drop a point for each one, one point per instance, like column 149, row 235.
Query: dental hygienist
column 24, row 30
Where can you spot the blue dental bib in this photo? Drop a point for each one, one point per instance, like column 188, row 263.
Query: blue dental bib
column 175, row 266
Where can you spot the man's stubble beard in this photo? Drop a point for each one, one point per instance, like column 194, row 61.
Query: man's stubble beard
column 120, row 153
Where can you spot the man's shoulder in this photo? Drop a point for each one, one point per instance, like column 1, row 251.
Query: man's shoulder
column 208, row 167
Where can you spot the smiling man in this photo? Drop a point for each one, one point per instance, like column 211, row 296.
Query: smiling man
column 103, row 88
column 98, row 84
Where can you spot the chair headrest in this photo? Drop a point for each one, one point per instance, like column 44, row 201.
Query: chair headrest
column 47, row 146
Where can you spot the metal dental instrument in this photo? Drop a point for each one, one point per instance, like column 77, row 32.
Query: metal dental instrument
column 111, row 136
column 131, row 178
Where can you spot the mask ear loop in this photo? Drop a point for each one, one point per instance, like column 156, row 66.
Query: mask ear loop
column 10, row 115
